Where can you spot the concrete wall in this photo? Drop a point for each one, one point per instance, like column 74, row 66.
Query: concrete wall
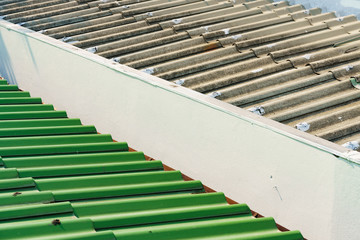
column 278, row 171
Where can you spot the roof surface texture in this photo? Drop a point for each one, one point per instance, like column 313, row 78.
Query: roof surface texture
column 283, row 62
column 62, row 180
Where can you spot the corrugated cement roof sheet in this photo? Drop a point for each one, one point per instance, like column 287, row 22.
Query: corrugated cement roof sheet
column 62, row 180
column 284, row 62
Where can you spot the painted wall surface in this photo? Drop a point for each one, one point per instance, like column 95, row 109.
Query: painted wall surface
column 229, row 149
column 342, row 7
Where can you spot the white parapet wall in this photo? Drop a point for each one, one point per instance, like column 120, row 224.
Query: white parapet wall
column 297, row 178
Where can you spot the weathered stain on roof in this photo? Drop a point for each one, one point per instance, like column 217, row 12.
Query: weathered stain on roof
column 294, row 64
column 62, row 180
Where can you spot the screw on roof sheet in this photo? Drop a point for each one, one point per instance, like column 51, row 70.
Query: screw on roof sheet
column 42, row 31
column 16, row 193
column 125, row 6
column 355, row 83
column 257, row 110
column 150, row 14
column 177, row 21
column 348, row 67
column 304, row 126
column 236, row 37
column 340, row 19
column 148, row 70
column 56, row 222
column 307, row 11
column 180, row 82
column 353, row 145
column 215, row 94
column 92, row 49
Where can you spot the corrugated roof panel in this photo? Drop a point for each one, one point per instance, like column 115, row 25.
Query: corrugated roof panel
column 220, row 48
column 61, row 180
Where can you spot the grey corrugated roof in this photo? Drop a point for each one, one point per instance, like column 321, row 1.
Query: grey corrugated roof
column 284, row 62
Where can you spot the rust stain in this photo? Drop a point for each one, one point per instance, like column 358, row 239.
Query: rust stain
column 211, row 46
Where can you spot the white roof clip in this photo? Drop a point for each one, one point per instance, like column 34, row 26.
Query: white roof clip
column 92, row 49
column 304, row 126
column 340, row 19
column 180, row 82
column 257, row 110
column 215, row 94
column 236, row 37
column 353, row 145
column 125, row 6
column 257, row 70
column 307, row 56
column 150, row 14
column 206, row 28
column 116, row 59
column 177, row 21
column 348, row 67
column 148, row 70
column 307, row 11
column 42, row 31
column 226, row 31
column 66, row 39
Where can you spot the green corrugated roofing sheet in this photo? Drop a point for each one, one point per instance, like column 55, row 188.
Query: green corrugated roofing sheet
column 62, row 180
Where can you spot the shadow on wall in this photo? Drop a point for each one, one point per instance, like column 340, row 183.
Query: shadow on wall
column 342, row 7
column 6, row 68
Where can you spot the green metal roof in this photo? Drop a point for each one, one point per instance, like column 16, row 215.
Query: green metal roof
column 62, row 180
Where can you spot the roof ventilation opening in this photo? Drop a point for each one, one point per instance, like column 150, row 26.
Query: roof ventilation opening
column 257, row 110
column 304, row 126
column 215, row 94
column 92, row 49
column 353, row 145
column 180, row 82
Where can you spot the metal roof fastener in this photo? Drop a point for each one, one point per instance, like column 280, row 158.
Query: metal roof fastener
column 180, row 82
column 353, row 145
column 177, row 20
column 257, row 110
column 304, row 126
column 149, row 70
column 92, row 49
column 215, row 94
column 116, row 59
